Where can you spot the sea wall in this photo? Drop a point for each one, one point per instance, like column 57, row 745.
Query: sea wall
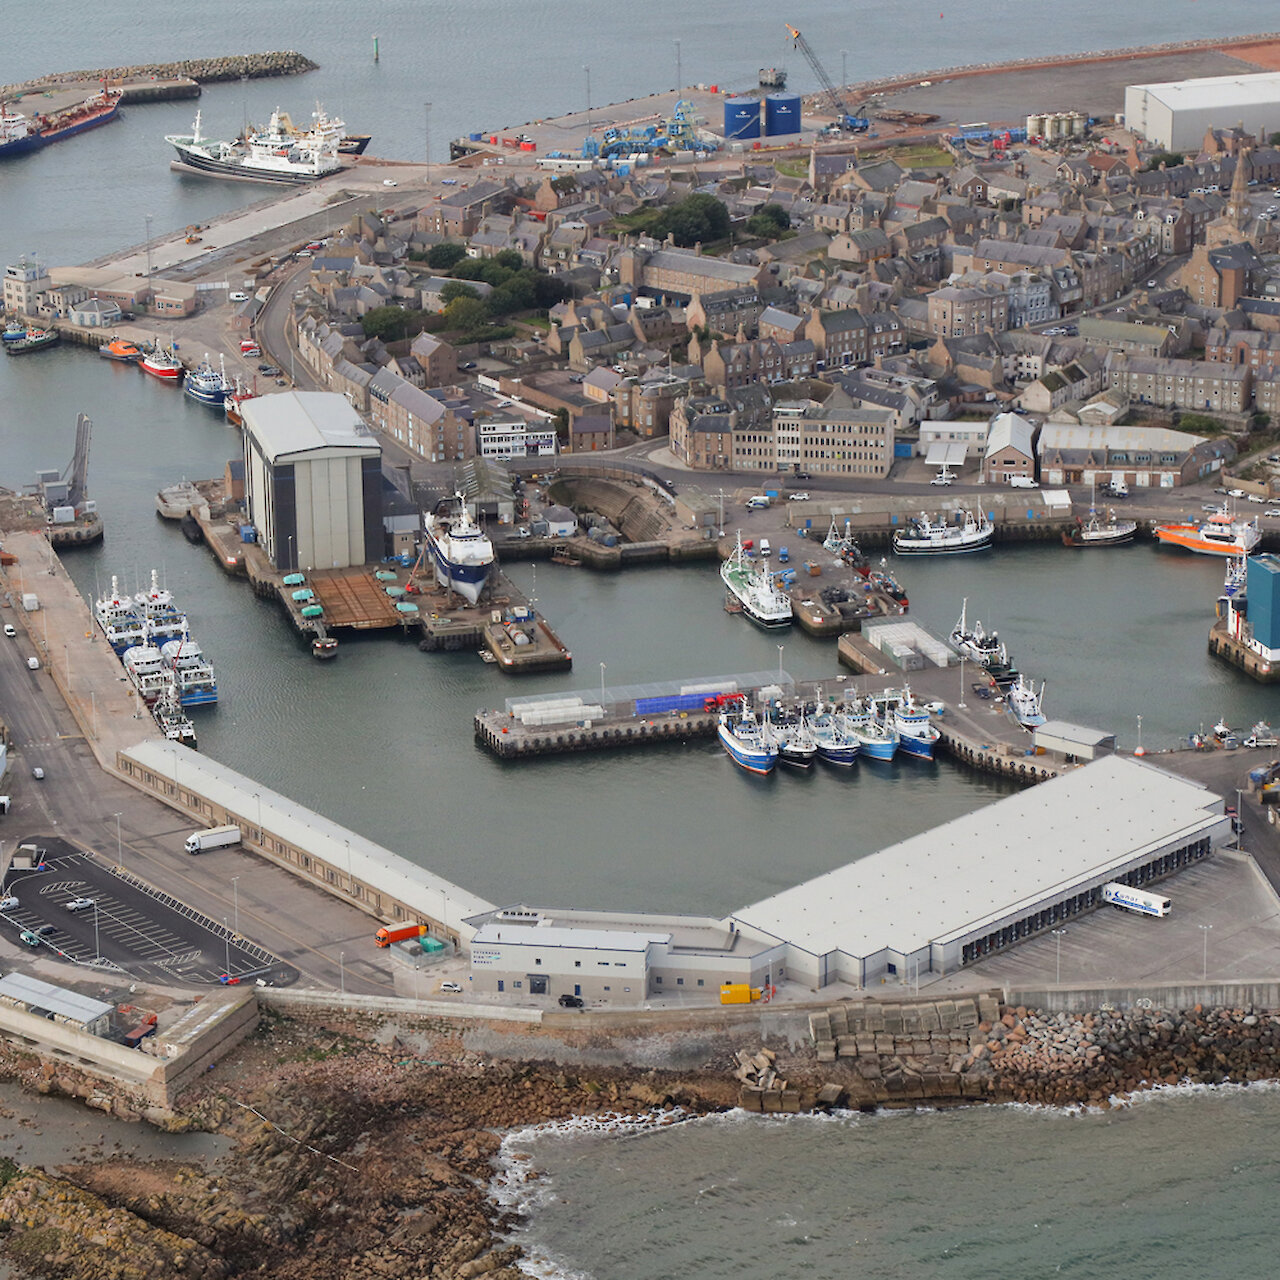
column 249, row 66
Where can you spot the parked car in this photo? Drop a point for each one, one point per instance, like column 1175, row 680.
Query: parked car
column 37, row 773
column 1235, row 493
column 799, row 497
column 1255, row 497
column 803, row 475
column 33, row 664
column 80, row 904
column 8, row 903
column 571, row 1002
column 29, row 938
column 471, row 364
column 1272, row 512
column 10, row 630
column 388, row 182
column 237, row 295
column 45, row 930
column 451, row 988
column 942, row 479
column 1153, row 284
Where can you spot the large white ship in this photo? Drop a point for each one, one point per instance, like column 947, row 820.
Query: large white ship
column 752, row 587
column 459, row 549
column 925, row 536
column 278, row 153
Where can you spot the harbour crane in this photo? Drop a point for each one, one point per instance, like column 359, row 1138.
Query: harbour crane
column 845, row 119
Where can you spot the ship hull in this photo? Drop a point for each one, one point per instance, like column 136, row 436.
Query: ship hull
column 1190, row 539
column 759, row 761
column 195, row 161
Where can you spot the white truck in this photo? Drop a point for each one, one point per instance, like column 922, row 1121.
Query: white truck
column 212, row 838
column 1139, row 900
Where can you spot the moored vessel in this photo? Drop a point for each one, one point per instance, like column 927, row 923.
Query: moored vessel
column 118, row 617
column 33, row 340
column 836, row 745
column 121, row 349
column 795, row 741
column 917, row 735
column 925, row 536
column 747, row 742
column 146, row 669
column 191, row 671
column 754, row 589
column 160, row 362
column 280, row 153
column 459, row 549
column 1025, row 703
column 877, row 739
column 1097, row 532
column 174, row 723
column 206, row 384
column 1222, row 534
column 20, row 134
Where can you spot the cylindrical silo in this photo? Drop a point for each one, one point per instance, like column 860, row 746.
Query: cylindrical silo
column 1035, row 125
column 1078, row 124
column 741, row 118
column 781, row 114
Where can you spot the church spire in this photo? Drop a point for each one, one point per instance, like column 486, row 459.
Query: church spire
column 1237, row 211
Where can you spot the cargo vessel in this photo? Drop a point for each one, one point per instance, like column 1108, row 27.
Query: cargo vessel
column 20, row 134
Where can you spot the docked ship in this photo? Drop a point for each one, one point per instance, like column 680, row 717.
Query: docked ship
column 174, row 723
column 33, row 340
column 795, row 742
column 747, row 741
column 459, row 549
column 924, row 536
column 191, row 671
column 876, row 738
column 14, row 331
column 836, row 745
column 121, row 349
column 1222, row 534
column 146, row 670
column 119, row 620
column 1097, row 532
column 20, row 134
column 161, row 617
column 279, row 153
column 232, row 404
column 1024, row 703
column 917, row 735
column 160, row 362
column 751, row 587
column 976, row 645
column 206, row 384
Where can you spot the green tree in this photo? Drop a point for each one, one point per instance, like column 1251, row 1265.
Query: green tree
column 457, row 289
column 388, row 323
column 508, row 258
column 466, row 315
column 698, row 219
column 468, row 269
column 548, row 290
column 769, row 221
column 516, row 294
column 1170, row 160
column 441, row 257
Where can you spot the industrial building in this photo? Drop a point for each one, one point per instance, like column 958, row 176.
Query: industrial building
column 1175, row 115
column 313, row 481
column 986, row 881
column 58, row 1004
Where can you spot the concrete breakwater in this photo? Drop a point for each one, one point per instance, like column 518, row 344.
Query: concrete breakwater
column 908, row 1055
column 251, row 66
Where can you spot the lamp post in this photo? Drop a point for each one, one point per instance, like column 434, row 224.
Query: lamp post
column 1204, row 958
column 426, row 125
column 342, row 973
column 1141, row 751
column 97, row 946
column 602, row 684
column 350, row 880
column 147, row 219
column 226, row 943
column 235, row 902
column 780, row 664
column 679, row 72
column 288, row 564
column 960, row 706
column 1057, row 976
column 1239, row 820
column 257, row 795
column 587, row 72
column 119, row 842
column 844, row 67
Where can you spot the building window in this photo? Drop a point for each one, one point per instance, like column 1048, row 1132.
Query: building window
column 679, row 982
column 658, row 980
column 577, row 964
column 537, row 960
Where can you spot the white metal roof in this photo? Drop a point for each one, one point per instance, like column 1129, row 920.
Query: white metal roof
column 490, row 934
column 1010, row 429
column 946, row 453
column 1213, row 93
column 371, row 863
column 300, row 421
column 44, row 995
column 986, row 864
column 1069, row 732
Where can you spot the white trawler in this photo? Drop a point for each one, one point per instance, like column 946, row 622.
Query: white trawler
column 278, row 153
column 459, row 549
column 752, row 587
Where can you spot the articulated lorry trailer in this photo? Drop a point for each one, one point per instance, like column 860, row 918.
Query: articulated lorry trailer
column 212, row 838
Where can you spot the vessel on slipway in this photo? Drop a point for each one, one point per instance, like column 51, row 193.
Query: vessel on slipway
column 1222, row 534
column 925, row 536
column 459, row 549
column 752, row 587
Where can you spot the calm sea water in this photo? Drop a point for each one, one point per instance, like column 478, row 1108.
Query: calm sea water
column 381, row 739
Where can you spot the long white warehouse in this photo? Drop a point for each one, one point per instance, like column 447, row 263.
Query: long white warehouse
column 1175, row 115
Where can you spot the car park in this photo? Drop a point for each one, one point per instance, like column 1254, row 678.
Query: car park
column 451, row 988
column 80, row 904
column 8, row 903
column 571, row 1002
column 799, row 497
column 10, row 630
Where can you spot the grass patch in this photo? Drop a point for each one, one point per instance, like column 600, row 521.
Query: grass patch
column 922, row 157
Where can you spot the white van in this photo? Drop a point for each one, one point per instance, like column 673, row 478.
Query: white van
column 765, row 549
column 1022, row 482
column 1118, row 489
column 757, row 503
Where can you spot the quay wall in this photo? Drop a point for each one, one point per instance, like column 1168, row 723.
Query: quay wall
column 1230, row 650
column 251, row 66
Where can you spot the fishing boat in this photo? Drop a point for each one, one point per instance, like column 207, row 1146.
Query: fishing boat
column 160, row 362
column 1097, row 532
column 795, row 741
column 206, row 384
column 836, row 745
column 232, row 405
column 1237, row 575
column 747, row 742
column 191, row 671
column 162, row 618
column 917, row 735
column 174, row 722
column 146, row 669
column 877, row 739
column 752, row 587
column 118, row 618
column 121, row 349
column 280, row 153
column 1024, row 703
column 460, row 551
column 324, row 647
column 1222, row 534
column 976, row 645
column 14, row 331
column 925, row 536
column 33, row 340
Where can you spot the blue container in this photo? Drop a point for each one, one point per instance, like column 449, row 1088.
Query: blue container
column 781, row 114
column 248, row 533
column 476, row 137
column 672, row 702
column 741, row 118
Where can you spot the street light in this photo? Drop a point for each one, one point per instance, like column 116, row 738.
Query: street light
column 844, row 67
column 1239, row 820
column 780, row 664
column 426, row 112
column 235, row 902
column 342, row 973
column 97, row 946
column 1141, row 751
column 1204, row 962
column 587, row 72
column 1057, row 977
column 602, row 683
column 257, row 795
column 119, row 845
column 960, row 706
column 226, row 942
column 147, row 219
column 679, row 72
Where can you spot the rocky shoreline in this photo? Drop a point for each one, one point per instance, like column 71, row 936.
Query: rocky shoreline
column 249, row 66
column 353, row 1151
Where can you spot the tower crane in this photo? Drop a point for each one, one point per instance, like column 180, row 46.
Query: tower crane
column 845, row 119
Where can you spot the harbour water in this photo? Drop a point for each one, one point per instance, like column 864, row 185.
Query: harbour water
column 381, row 740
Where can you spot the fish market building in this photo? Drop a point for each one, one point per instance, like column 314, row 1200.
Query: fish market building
column 983, row 882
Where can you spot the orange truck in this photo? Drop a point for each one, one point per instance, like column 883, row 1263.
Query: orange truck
column 398, row 933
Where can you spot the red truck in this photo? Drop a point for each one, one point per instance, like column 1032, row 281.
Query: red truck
column 398, row 933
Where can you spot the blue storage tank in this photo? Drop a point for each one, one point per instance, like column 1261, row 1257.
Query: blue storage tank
column 741, row 118
column 781, row 114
